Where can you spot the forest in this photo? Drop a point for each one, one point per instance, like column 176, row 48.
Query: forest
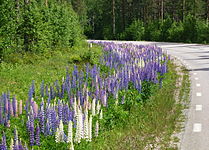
column 42, row 25
column 151, row 20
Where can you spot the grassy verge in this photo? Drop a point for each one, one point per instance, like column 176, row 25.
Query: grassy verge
column 19, row 70
column 150, row 124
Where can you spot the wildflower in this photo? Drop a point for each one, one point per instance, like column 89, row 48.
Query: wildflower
column 93, row 107
column 90, row 128
column 97, row 128
column 70, row 132
column 37, row 135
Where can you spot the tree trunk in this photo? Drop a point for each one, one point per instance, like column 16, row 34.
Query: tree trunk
column 123, row 14
column 207, row 13
column 162, row 10
column 113, row 17
column 183, row 9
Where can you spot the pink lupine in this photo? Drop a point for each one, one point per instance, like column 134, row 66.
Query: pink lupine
column 20, row 107
column 11, row 109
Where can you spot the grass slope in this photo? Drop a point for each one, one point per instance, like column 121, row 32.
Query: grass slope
column 151, row 124
column 19, row 70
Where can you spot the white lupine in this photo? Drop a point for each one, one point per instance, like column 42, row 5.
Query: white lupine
column 71, row 146
column 59, row 135
column 70, row 132
column 105, row 99
column 93, row 107
column 81, row 123
column 63, row 79
column 16, row 142
column 79, row 126
column 97, row 128
column 12, row 144
column 101, row 114
column 98, row 107
column 96, row 78
column 61, row 131
column 86, row 129
column 90, row 128
column 116, row 102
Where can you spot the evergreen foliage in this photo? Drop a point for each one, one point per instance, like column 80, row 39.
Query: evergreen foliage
column 152, row 20
column 37, row 27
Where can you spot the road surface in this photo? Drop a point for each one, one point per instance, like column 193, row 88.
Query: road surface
column 196, row 59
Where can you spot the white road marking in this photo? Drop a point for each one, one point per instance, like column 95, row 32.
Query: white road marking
column 194, row 73
column 197, row 127
column 198, row 94
column 198, row 85
column 198, row 107
column 196, row 78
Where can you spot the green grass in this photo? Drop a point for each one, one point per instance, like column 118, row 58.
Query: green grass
column 150, row 124
column 17, row 71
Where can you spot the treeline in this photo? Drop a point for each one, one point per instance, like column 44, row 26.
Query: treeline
column 37, row 26
column 157, row 20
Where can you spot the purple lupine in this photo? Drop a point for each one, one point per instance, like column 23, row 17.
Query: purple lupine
column 47, row 128
column 57, row 93
column 42, row 89
column 37, row 135
column 1, row 116
column 20, row 146
column 31, row 133
column 47, row 90
column 60, row 109
column 3, row 146
column 14, row 106
column 53, row 120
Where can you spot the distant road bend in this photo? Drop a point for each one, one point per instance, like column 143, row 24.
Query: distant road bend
column 196, row 59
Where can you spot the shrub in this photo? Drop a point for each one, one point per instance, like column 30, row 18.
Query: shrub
column 134, row 32
column 202, row 32
column 175, row 32
column 37, row 28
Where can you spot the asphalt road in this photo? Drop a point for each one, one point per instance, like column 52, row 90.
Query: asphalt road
column 196, row 59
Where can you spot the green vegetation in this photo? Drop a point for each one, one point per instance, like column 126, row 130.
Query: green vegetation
column 18, row 72
column 151, row 124
column 151, row 20
column 37, row 26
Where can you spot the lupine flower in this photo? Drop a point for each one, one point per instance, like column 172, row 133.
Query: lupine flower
column 70, row 132
column 16, row 137
column 12, row 144
column 1, row 117
column 97, row 128
column 90, row 128
column 14, row 106
column 11, row 109
column 101, row 114
column 37, row 135
column 20, row 107
column 20, row 146
column 98, row 107
column 93, row 109
column 31, row 132
column 3, row 145
column 42, row 89
column 86, row 125
column 59, row 135
column 79, row 126
column 25, row 146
